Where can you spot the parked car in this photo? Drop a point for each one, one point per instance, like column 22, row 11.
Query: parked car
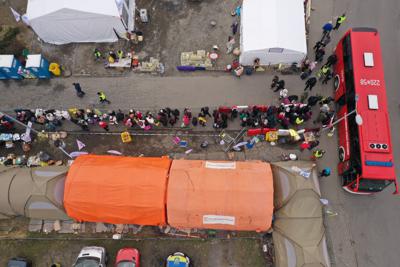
column 91, row 257
column 19, row 262
column 127, row 257
column 178, row 259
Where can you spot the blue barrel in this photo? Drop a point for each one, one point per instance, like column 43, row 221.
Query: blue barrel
column 38, row 66
column 3, row 76
column 10, row 67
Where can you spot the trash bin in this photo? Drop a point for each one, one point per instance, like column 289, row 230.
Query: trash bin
column 38, row 66
column 55, row 69
column 3, row 76
column 10, row 67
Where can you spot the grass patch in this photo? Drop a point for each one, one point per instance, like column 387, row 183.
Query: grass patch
column 7, row 37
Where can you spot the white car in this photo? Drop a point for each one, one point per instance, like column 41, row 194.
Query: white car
column 91, row 257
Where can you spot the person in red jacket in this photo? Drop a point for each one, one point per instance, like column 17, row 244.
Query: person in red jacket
column 104, row 125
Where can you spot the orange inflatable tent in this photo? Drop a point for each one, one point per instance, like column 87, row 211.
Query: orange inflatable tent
column 118, row 190
column 220, row 195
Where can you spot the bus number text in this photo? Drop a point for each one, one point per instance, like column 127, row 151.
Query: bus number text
column 370, row 82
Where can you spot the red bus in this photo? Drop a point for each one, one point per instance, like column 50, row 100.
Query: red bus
column 365, row 148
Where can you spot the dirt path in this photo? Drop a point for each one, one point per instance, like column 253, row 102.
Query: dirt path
column 214, row 252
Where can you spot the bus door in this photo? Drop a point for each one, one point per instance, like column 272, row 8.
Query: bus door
column 350, row 178
column 344, row 143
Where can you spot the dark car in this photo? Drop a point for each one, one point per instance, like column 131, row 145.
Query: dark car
column 19, row 262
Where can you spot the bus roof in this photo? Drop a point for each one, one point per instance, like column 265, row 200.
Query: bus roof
column 370, row 89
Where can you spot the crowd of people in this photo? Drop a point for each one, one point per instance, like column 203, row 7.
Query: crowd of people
column 85, row 118
column 5, row 124
column 292, row 111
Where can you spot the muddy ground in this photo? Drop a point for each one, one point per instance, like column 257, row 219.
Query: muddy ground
column 175, row 26
column 240, row 249
column 157, row 144
column 212, row 252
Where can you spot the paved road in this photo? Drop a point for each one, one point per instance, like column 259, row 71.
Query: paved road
column 145, row 91
column 366, row 231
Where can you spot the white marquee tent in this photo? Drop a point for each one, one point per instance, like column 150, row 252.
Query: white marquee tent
column 80, row 21
column 273, row 31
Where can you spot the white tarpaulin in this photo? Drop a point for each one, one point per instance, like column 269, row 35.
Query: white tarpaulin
column 273, row 31
column 80, row 21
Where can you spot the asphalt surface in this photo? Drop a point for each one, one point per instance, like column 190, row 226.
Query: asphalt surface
column 145, row 91
column 365, row 233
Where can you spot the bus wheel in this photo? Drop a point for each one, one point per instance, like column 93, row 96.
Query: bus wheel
column 336, row 82
column 342, row 154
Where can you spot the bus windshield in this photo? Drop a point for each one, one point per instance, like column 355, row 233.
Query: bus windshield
column 372, row 185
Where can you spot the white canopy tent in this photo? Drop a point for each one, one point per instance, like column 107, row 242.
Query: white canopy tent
column 80, row 21
column 273, row 31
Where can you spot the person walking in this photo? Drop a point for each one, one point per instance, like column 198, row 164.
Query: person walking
column 318, row 45
column 327, row 77
column 194, row 121
column 103, row 98
column 299, row 120
column 325, row 108
column 275, row 81
column 310, row 83
column 319, row 54
column 313, row 144
column 97, row 54
column 322, row 117
column 84, row 125
column 317, row 154
column 283, row 93
column 230, row 44
column 78, row 89
column 327, row 28
column 339, row 21
column 293, row 98
column 313, row 100
column 305, row 64
column 104, row 125
column 327, row 39
column 304, row 145
column 303, row 96
column 234, row 27
column 202, row 120
column 185, row 121
column 305, row 74
column 325, row 172
column 120, row 54
column 323, row 71
column 280, row 85
column 313, row 65
column 326, row 100
column 205, row 111
column 332, row 59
